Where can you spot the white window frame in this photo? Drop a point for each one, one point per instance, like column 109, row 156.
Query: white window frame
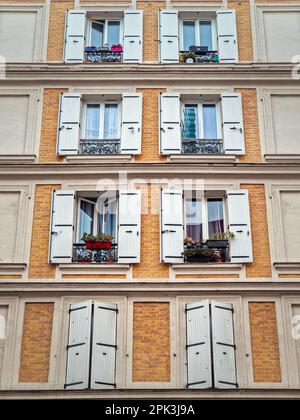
column 197, row 30
column 106, row 20
column 101, row 105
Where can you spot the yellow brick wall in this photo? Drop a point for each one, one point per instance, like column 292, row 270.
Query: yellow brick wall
column 39, row 266
column 151, row 342
column 264, row 340
column 261, row 266
column 244, row 31
column 36, row 342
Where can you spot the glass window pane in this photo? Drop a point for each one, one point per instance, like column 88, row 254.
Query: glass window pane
column 193, row 217
column 113, row 33
column 188, row 35
column 215, row 216
column 108, row 220
column 86, row 218
column 190, row 124
column 210, row 130
column 111, row 121
column 92, row 122
column 97, row 34
column 206, row 35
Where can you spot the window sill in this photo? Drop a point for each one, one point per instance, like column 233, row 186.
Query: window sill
column 206, row 268
column 92, row 268
column 17, row 158
column 287, row 267
column 282, row 158
column 202, row 158
column 98, row 158
column 12, row 269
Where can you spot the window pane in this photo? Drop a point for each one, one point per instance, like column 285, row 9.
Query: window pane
column 210, row 122
column 97, row 34
column 188, row 35
column 193, row 217
column 108, row 220
column 113, row 33
column 190, row 125
column 215, row 216
column 206, row 35
column 92, row 122
column 111, row 121
column 86, row 222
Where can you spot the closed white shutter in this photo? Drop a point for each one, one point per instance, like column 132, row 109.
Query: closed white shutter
column 68, row 129
column 223, row 345
column 233, row 127
column 227, row 36
column 239, row 224
column 104, row 346
column 129, row 226
column 78, row 360
column 169, row 31
column 199, row 365
column 131, row 136
column 133, row 36
column 170, row 127
column 172, row 226
column 75, row 36
column 61, row 236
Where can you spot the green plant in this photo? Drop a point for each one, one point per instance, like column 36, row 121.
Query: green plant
column 222, row 236
column 99, row 237
column 199, row 252
column 184, row 56
column 188, row 240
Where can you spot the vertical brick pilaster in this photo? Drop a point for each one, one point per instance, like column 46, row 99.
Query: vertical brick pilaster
column 244, row 30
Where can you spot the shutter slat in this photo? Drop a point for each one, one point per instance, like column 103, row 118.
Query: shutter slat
column 170, row 127
column 68, row 131
column 239, row 224
column 227, row 36
column 129, row 226
column 131, row 136
column 233, row 127
column 133, row 36
column 61, row 235
column 75, row 36
column 172, row 226
column 169, row 34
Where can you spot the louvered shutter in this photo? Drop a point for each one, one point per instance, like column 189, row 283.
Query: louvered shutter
column 199, row 364
column 233, row 126
column 131, row 136
column 227, row 36
column 69, row 120
column 172, row 226
column 223, row 345
column 75, row 36
column 61, row 237
column 170, row 127
column 104, row 346
column 169, row 31
column 239, row 224
column 78, row 359
column 129, row 226
column 133, row 36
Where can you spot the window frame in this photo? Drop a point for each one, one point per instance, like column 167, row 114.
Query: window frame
column 197, row 30
column 105, row 21
column 102, row 104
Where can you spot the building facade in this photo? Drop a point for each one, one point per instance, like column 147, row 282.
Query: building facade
column 161, row 126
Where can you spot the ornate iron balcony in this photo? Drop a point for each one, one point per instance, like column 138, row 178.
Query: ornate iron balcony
column 96, row 256
column 204, row 57
column 103, row 57
column 202, row 146
column 100, row 147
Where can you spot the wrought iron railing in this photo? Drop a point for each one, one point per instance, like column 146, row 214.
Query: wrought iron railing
column 190, row 57
column 103, row 57
column 100, row 146
column 215, row 254
column 202, row 146
column 100, row 256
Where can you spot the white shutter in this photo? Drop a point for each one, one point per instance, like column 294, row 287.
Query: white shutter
column 223, row 345
column 133, row 36
column 69, row 119
column 78, row 360
column 75, row 36
column 170, row 127
column 103, row 373
column 233, row 126
column 227, row 36
column 171, row 226
column 239, row 224
column 131, row 136
column 61, row 237
column 129, row 226
column 169, row 31
column 199, row 366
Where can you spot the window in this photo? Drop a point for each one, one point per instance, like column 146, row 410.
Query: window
column 105, row 32
column 3, row 334
column 200, row 33
column 9, row 214
column 102, row 121
column 201, row 121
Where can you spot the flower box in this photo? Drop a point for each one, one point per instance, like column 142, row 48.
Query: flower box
column 117, row 48
column 217, row 243
column 94, row 245
column 198, row 259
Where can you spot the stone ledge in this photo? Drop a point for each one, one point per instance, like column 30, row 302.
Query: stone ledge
column 12, row 268
column 202, row 158
column 17, row 158
column 283, row 158
column 82, row 269
column 98, row 158
column 287, row 267
column 209, row 268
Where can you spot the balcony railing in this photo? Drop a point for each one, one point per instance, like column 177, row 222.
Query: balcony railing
column 198, row 56
column 202, row 146
column 97, row 256
column 100, row 146
column 94, row 55
column 207, row 252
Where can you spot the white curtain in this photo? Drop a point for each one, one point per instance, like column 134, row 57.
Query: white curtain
column 92, row 121
column 111, row 121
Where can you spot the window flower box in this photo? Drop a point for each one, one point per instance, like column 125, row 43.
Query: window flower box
column 93, row 245
column 217, row 243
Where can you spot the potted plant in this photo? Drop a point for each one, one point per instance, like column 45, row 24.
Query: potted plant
column 189, row 242
column 201, row 255
column 220, row 240
column 99, row 241
column 187, row 57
